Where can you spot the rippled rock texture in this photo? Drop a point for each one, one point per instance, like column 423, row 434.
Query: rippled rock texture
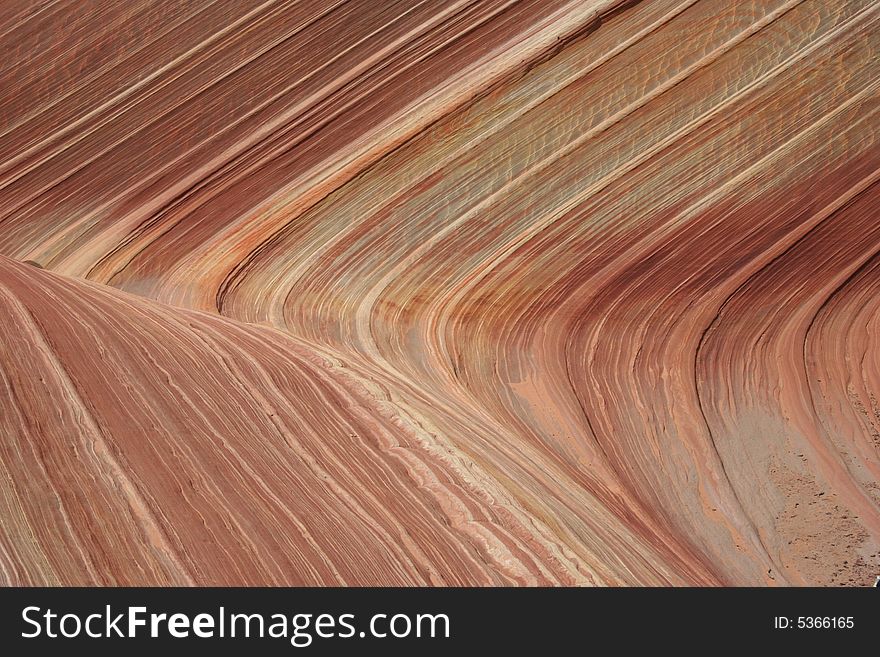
column 356, row 292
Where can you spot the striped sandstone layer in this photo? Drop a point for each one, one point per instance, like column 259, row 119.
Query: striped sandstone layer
column 440, row 292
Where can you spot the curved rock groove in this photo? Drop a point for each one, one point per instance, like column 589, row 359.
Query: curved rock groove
column 447, row 293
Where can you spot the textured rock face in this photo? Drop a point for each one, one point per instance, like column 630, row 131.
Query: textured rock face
column 440, row 292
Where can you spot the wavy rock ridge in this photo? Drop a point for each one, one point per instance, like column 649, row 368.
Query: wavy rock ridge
column 401, row 293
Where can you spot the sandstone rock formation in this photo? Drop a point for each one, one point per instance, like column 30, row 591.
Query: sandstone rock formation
column 347, row 292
